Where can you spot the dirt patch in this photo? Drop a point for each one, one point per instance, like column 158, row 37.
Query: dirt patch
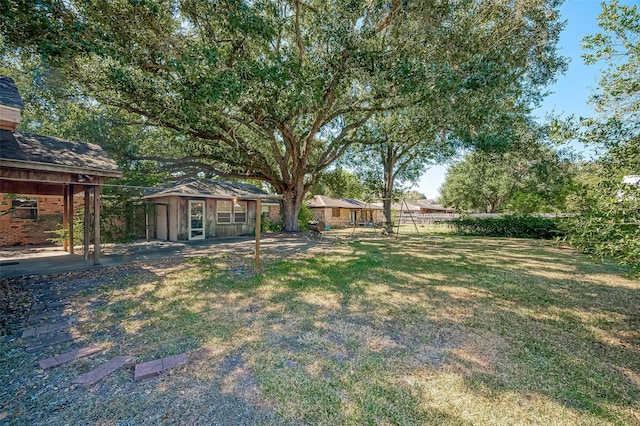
column 15, row 304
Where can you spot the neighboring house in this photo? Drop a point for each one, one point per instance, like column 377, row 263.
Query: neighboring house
column 344, row 212
column 429, row 206
column 43, row 166
column 194, row 209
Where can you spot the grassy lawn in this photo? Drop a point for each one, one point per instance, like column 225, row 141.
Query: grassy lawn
column 376, row 331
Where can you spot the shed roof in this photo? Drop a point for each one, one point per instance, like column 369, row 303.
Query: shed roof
column 209, row 188
column 9, row 95
column 26, row 151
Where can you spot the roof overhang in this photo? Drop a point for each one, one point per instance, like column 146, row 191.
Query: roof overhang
column 247, row 197
column 48, row 167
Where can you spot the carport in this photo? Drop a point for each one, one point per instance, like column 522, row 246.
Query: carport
column 42, row 165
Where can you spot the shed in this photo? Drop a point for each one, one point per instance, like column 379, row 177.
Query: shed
column 35, row 165
column 193, row 209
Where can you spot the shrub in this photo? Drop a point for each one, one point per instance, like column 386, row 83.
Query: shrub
column 268, row 225
column 507, row 226
column 304, row 217
column 608, row 226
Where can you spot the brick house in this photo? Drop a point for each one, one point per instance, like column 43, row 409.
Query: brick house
column 28, row 220
column 48, row 167
column 344, row 212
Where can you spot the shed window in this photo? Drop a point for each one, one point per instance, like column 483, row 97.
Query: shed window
column 223, row 211
column 240, row 211
column 335, row 212
column 25, row 209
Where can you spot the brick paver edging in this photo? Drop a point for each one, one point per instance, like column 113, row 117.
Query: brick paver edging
column 69, row 356
column 153, row 368
column 99, row 373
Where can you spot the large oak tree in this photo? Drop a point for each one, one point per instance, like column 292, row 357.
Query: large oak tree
column 275, row 90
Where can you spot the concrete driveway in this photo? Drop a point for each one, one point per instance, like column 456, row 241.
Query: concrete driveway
column 51, row 260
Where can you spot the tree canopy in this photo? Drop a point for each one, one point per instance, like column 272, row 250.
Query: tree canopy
column 529, row 177
column 610, row 209
column 276, row 90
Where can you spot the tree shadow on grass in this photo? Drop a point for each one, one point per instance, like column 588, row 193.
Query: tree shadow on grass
column 349, row 336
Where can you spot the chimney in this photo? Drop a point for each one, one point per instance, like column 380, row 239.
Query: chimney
column 10, row 104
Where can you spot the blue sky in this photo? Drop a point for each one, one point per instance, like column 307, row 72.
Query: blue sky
column 572, row 90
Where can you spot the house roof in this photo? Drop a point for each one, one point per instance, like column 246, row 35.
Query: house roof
column 430, row 205
column 208, row 188
column 320, row 201
column 27, row 151
column 9, row 95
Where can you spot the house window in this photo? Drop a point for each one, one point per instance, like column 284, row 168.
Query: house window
column 25, row 209
column 240, row 211
column 335, row 212
column 231, row 211
column 223, row 211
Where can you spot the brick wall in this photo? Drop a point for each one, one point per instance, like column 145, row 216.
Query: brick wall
column 28, row 231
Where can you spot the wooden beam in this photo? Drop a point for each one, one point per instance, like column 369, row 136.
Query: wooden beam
column 70, row 195
column 147, row 231
column 96, row 225
column 65, row 217
column 256, row 266
column 87, row 222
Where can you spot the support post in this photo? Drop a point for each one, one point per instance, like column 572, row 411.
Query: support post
column 65, row 217
column 87, row 223
column 256, row 266
column 147, row 231
column 70, row 194
column 96, row 225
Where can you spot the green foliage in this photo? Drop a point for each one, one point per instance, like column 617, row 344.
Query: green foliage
column 276, row 91
column 60, row 234
column 414, row 195
column 338, row 183
column 507, row 226
column 267, row 225
column 304, row 217
column 529, row 177
column 608, row 223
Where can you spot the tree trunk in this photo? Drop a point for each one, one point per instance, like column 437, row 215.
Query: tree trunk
column 291, row 203
column 387, row 196
column 290, row 213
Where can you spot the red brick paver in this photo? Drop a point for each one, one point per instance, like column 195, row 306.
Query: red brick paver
column 155, row 367
column 69, row 356
column 99, row 373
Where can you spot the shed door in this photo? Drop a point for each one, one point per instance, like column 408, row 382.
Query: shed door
column 196, row 220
